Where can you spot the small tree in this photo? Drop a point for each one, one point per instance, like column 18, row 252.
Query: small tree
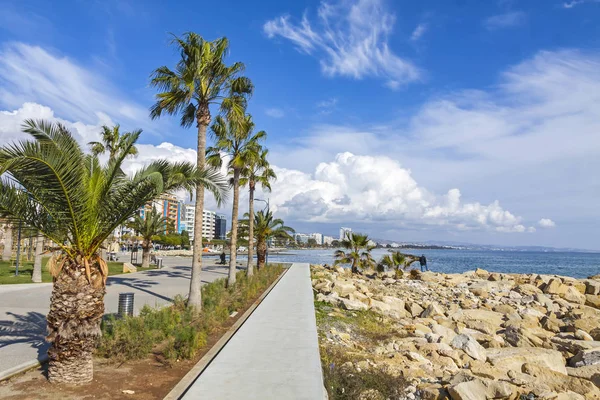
column 114, row 143
column 265, row 228
column 150, row 225
column 358, row 252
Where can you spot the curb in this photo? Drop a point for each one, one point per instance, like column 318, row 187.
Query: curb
column 26, row 366
column 188, row 380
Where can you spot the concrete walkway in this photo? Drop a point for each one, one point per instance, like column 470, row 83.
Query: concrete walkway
column 23, row 308
column 275, row 353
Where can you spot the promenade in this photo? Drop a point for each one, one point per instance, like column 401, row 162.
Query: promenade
column 23, row 308
column 274, row 354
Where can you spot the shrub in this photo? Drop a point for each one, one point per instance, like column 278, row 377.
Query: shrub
column 182, row 331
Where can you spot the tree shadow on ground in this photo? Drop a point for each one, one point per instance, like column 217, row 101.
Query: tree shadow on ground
column 142, row 285
column 29, row 328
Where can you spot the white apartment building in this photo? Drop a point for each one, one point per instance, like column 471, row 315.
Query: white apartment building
column 301, row 238
column 328, row 240
column 343, row 232
column 208, row 222
column 318, row 237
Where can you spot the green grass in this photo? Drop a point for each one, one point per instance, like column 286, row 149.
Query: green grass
column 7, row 271
column 178, row 332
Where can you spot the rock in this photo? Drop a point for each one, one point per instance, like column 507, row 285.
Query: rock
column 380, row 306
column 520, row 337
column 371, row 394
column 470, row 346
column 481, row 272
column 555, row 286
column 414, row 309
column 352, row 305
column 433, row 310
column 574, row 296
column 470, row 390
column 595, row 334
column 358, row 296
column 512, row 358
column 569, row 396
column 527, row 289
column 592, row 300
column 590, row 372
column 585, row 358
column 559, row 382
column 499, row 390
column 127, row 391
column 583, row 335
column 504, row 309
column 432, row 392
column 492, row 317
column 552, row 324
column 331, row 299
column 397, row 305
column 323, row 287
column 128, row 268
column 592, row 287
column 343, row 289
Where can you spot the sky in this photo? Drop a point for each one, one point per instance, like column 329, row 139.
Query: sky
column 442, row 120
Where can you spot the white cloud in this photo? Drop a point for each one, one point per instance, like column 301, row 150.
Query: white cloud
column 573, row 3
column 546, row 223
column 351, row 39
column 418, row 32
column 507, row 20
column 30, row 73
column 329, row 103
column 275, row 112
column 378, row 190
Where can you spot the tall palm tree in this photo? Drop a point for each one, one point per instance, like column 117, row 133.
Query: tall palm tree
column 51, row 185
column 36, row 276
column 266, row 227
column 200, row 78
column 153, row 223
column 358, row 252
column 113, row 142
column 234, row 138
column 258, row 171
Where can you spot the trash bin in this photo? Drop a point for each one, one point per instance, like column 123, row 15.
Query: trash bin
column 125, row 304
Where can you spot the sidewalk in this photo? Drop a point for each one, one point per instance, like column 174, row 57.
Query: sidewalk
column 23, row 308
column 274, row 354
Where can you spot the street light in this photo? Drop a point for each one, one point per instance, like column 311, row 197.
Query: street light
column 267, row 210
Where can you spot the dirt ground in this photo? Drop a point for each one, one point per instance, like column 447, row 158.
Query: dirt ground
column 151, row 378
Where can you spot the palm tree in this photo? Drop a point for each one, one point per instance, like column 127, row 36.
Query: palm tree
column 234, row 138
column 8, row 240
column 113, row 142
column 265, row 228
column 200, row 78
column 394, row 260
column 36, row 276
column 258, row 171
column 150, row 225
column 51, row 185
column 358, row 254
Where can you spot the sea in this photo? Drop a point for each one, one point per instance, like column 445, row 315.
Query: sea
column 577, row 265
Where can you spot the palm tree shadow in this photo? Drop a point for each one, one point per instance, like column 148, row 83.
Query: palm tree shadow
column 138, row 284
column 29, row 328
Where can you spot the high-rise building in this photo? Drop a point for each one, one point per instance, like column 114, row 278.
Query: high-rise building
column 318, row 238
column 220, row 227
column 343, row 232
column 169, row 207
column 301, row 237
column 208, row 222
column 328, row 240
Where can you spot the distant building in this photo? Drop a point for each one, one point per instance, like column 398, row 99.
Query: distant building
column 318, row 238
column 344, row 231
column 371, row 243
column 220, row 227
column 208, row 222
column 328, row 240
column 301, row 237
column 169, row 207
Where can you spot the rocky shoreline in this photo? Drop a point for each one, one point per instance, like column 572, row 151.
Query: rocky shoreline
column 476, row 335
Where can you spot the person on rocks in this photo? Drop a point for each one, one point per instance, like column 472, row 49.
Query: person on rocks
column 423, row 262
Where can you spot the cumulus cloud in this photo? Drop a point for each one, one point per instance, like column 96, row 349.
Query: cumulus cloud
column 378, row 189
column 573, row 3
column 507, row 20
column 275, row 112
column 350, row 39
column 546, row 223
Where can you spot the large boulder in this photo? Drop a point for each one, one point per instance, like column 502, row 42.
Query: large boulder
column 592, row 300
column 586, row 358
column 352, row 305
column 414, row 309
column 128, row 268
column 513, row 358
column 433, row 310
column 470, row 346
column 573, row 295
column 592, row 287
column 469, row 390
column 491, row 317
column 560, row 382
column 555, row 286
column 343, row 289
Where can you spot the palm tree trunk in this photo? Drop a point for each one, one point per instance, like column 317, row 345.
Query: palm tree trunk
column 195, row 296
column 261, row 252
column 7, row 253
column 249, row 270
column 37, row 263
column 234, row 227
column 76, row 309
column 146, row 254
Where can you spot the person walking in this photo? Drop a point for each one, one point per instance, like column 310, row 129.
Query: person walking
column 423, row 262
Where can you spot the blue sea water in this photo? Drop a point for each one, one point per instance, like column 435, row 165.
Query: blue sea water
column 578, row 265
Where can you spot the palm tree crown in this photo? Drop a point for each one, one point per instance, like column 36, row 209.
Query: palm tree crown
column 266, row 227
column 113, row 142
column 358, row 252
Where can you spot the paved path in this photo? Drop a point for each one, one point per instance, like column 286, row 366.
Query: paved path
column 23, row 308
column 275, row 353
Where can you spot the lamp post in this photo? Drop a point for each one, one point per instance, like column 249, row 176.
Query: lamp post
column 18, row 249
column 267, row 210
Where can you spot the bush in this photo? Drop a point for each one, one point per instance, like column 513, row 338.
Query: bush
column 181, row 330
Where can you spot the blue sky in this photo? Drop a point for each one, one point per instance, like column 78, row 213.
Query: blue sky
column 439, row 120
